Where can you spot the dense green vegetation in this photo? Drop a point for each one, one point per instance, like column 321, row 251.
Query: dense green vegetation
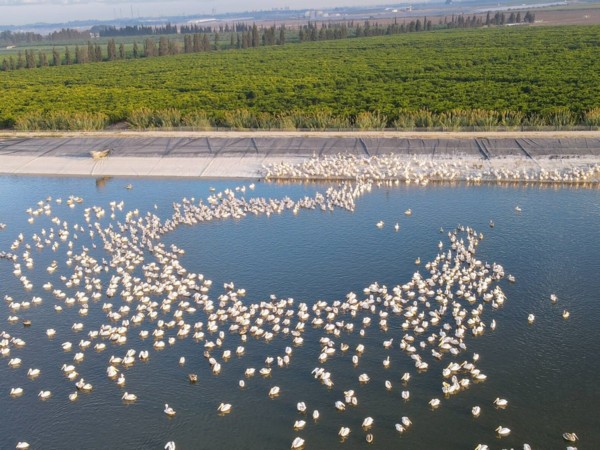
column 485, row 77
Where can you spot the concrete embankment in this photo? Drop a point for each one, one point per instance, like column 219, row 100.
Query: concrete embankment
column 243, row 154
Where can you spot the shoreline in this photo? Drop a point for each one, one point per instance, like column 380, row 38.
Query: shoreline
column 246, row 154
column 552, row 134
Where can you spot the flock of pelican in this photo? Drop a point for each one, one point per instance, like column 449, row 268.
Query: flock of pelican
column 123, row 269
column 422, row 170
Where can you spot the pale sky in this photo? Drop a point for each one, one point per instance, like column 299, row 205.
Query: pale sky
column 18, row 12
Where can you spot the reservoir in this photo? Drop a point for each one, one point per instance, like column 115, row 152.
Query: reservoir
column 308, row 264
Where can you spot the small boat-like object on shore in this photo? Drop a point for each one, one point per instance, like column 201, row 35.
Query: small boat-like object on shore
column 99, row 154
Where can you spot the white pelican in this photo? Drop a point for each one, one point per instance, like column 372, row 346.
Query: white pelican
column 297, row 443
column 45, row 395
column 565, row 314
column 16, row 392
column 73, row 396
column 503, row 431
column 341, row 406
column 274, row 391
column 570, row 437
column 408, row 212
column 530, row 318
column 169, row 411
column 405, row 377
column 363, row 378
column 397, row 226
column 501, row 402
column 33, row 373
column 170, row 445
column 380, row 224
column 129, row 397
column 22, row 445
column 224, row 408
column 367, row 423
column 301, row 407
column 369, row 438
column 406, row 421
column 299, row 424
column 242, row 384
column 405, row 395
column 553, row 298
column 476, row 410
column 400, row 428
column 315, row 414
column 344, row 432
column 388, row 384
column 14, row 362
column 434, row 402
column 83, row 386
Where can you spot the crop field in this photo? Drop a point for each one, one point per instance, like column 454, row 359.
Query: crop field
column 532, row 73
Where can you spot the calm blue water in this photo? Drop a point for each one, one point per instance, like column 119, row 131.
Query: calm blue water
column 548, row 370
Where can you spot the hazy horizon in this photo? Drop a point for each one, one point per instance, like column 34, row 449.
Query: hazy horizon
column 22, row 12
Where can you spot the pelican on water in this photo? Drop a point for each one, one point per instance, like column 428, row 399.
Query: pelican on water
column 297, row 443
column 434, row 402
column 503, row 431
column 501, row 402
column 224, row 408
column 130, row 397
column 344, row 432
column 169, row 411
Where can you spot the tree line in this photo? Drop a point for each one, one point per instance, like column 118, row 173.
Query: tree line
column 238, row 36
column 150, row 30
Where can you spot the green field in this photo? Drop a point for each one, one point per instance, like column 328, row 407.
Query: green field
column 535, row 73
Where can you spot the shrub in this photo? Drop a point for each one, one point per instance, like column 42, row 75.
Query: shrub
column 405, row 120
column 62, row 121
column 141, row 118
column 239, row 119
column 166, row 118
column 425, row 119
column 592, row 117
column 560, row 117
column 197, row 120
column 368, row 120
column 511, row 119
column 285, row 122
